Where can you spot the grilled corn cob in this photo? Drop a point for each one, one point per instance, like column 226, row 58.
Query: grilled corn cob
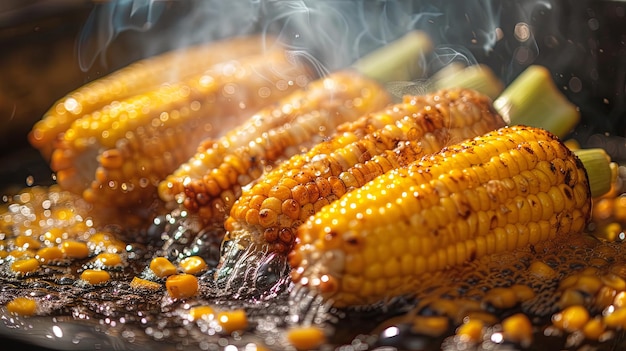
column 507, row 189
column 212, row 179
column 270, row 211
column 118, row 154
column 136, row 78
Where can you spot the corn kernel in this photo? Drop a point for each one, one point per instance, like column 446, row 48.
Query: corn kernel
column 615, row 319
column 144, row 284
column 471, row 331
column 430, row 325
column 518, row 328
column 594, row 329
column 306, row 338
column 231, row 321
column 180, row 286
column 95, row 276
column 25, row 266
column 22, row 306
column 49, row 254
column 107, row 259
column 193, row 265
column 27, row 242
column 199, row 312
column 162, row 267
column 501, row 298
column 571, row 319
column 75, row 249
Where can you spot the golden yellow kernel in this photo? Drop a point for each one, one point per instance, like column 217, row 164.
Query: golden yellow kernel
column 22, row 254
column 615, row 319
column 501, row 298
column 199, row 312
column 75, row 249
column 162, row 267
column 306, row 338
column 518, row 328
column 95, row 276
column 193, row 265
column 594, row 329
column 54, row 235
column 22, row 306
column 27, row 242
column 620, row 299
column 589, row 284
column 471, row 331
column 3, row 254
column 144, row 284
column 541, row 270
column 234, row 320
column 180, row 286
column 108, row 241
column 24, row 266
column 108, row 259
column 523, row 292
column 430, row 325
column 571, row 319
column 571, row 297
column 49, row 254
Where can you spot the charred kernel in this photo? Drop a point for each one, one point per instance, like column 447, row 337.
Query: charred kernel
column 144, row 284
column 75, row 249
column 571, row 319
column 231, row 321
column 162, row 267
column 181, row 286
column 22, row 306
column 306, row 338
column 95, row 276
column 25, row 266
column 471, row 331
column 49, row 254
column 200, row 312
column 518, row 328
column 193, row 265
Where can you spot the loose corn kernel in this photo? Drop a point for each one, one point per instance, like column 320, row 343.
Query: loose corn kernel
column 108, row 242
column 144, row 284
column 181, row 286
column 571, row 319
column 430, row 325
column 518, row 328
column 193, row 265
column 471, row 331
column 594, row 329
column 306, row 338
column 22, row 306
column 162, row 267
column 49, row 254
column 200, row 312
column 27, row 242
column 501, row 298
column 25, row 266
column 235, row 320
column 95, row 276
column 75, row 249
column 620, row 299
column 615, row 319
column 107, row 259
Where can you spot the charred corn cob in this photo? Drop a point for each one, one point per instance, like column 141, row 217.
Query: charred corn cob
column 136, row 78
column 270, row 211
column 212, row 179
column 507, row 189
column 118, row 154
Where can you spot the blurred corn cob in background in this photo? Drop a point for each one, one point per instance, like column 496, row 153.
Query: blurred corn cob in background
column 117, row 155
column 498, row 192
column 136, row 78
column 267, row 215
column 211, row 180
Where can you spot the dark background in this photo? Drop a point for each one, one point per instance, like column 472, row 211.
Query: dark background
column 581, row 42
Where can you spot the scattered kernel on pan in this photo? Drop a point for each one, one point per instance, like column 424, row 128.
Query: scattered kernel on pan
column 615, row 319
column 25, row 266
column 518, row 328
column 541, row 270
column 29, row 242
column 193, row 265
column 430, row 325
column 234, row 320
column 144, row 284
column 75, row 249
column 180, row 286
column 108, row 242
column 571, row 319
column 95, row 276
column 49, row 254
column 199, row 312
column 162, row 267
column 594, row 329
column 470, row 331
column 108, row 259
column 306, row 338
column 22, row 306
column 501, row 298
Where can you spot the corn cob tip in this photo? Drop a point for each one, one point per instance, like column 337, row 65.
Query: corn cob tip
column 477, row 77
column 533, row 99
column 599, row 169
